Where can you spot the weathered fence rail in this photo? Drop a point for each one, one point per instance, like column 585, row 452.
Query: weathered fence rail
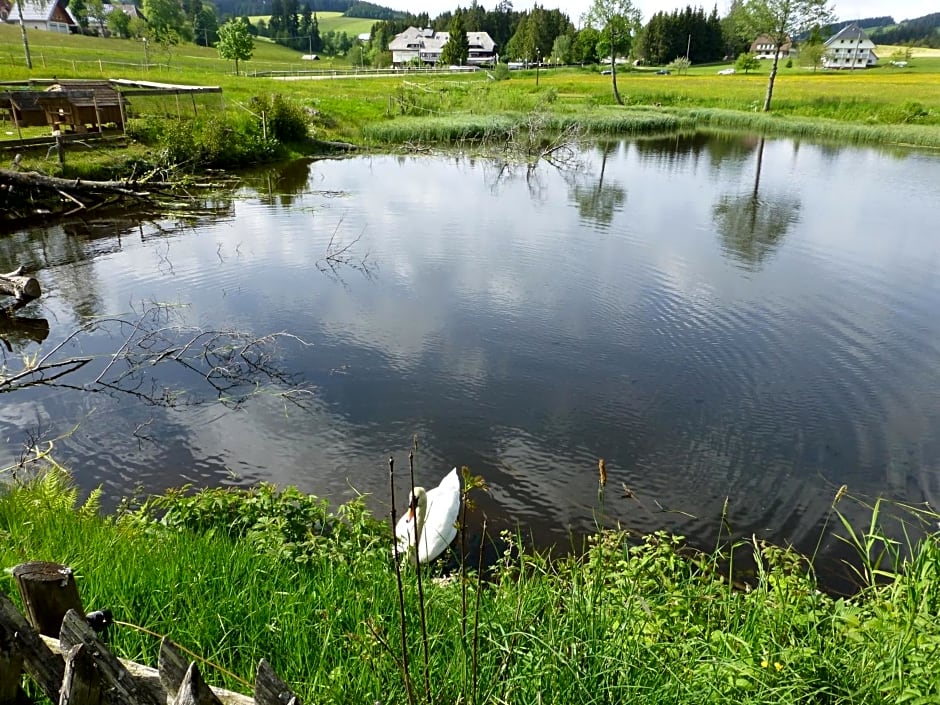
column 75, row 667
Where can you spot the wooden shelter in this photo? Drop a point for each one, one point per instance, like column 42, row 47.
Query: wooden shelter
column 82, row 105
column 22, row 108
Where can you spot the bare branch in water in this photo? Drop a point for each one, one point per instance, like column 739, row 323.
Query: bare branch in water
column 231, row 365
column 341, row 256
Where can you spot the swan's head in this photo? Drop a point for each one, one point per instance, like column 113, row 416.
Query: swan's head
column 417, row 500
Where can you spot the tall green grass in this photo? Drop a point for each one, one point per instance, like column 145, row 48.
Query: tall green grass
column 237, row 575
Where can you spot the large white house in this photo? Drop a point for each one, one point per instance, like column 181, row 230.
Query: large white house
column 50, row 15
column 850, row 48
column 426, row 46
column 764, row 47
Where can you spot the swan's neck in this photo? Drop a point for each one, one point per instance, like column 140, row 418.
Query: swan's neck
column 421, row 510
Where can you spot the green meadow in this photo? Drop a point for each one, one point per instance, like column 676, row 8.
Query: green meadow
column 885, row 105
column 237, row 575
column 332, row 22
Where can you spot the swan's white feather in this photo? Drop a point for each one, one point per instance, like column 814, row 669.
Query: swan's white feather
column 440, row 521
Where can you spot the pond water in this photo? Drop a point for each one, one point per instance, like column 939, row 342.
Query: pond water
column 719, row 317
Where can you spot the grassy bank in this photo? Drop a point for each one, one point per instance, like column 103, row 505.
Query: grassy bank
column 884, row 105
column 236, row 576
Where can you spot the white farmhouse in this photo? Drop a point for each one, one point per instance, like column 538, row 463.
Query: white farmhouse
column 850, row 48
column 52, row 15
column 427, row 45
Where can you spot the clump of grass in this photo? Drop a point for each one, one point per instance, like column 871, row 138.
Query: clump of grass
column 629, row 620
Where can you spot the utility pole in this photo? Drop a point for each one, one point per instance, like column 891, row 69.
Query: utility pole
column 688, row 47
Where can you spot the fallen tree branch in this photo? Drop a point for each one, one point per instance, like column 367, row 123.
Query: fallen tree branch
column 22, row 288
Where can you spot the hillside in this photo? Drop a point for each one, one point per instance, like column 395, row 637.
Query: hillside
column 921, row 31
column 333, row 22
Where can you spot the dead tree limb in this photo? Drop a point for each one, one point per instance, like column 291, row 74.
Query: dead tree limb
column 22, row 288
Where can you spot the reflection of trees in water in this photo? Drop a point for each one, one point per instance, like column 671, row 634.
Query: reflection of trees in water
column 281, row 184
column 679, row 149
column 752, row 227
column 71, row 245
column 598, row 201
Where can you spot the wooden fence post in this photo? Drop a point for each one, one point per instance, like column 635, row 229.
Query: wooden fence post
column 121, row 687
column 80, row 685
column 270, row 689
column 11, row 670
column 48, row 591
column 194, row 691
column 45, row 667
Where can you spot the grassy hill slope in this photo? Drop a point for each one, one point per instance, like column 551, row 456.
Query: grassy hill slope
column 333, row 21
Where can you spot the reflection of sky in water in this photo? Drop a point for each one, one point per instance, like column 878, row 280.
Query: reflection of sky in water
column 528, row 325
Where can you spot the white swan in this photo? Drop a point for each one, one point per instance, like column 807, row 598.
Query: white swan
column 434, row 513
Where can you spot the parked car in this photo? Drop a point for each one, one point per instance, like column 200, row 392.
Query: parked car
column 726, row 72
column 664, row 72
column 606, row 72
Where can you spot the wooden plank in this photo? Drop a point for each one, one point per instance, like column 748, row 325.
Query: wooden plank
column 172, row 665
column 43, row 666
column 270, row 689
column 11, row 671
column 120, row 687
column 194, row 691
column 81, row 684
column 149, row 678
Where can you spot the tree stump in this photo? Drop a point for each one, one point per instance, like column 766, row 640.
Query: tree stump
column 49, row 591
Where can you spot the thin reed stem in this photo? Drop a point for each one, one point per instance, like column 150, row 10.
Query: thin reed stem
column 476, row 615
column 463, row 578
column 406, row 675
column 424, row 626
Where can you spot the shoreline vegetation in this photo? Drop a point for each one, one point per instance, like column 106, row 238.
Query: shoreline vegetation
column 235, row 575
column 264, row 119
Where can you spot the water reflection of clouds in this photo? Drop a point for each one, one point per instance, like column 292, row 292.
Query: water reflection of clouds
column 506, row 332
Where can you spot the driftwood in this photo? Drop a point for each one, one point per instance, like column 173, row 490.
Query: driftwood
column 22, row 288
column 27, row 196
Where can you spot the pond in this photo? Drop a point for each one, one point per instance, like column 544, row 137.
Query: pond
column 721, row 318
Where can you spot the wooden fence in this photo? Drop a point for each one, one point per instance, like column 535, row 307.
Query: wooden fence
column 74, row 667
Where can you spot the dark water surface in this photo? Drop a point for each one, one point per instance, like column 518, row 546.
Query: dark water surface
column 718, row 317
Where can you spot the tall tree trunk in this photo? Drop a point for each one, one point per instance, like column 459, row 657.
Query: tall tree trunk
column 770, row 81
column 613, row 66
column 29, row 59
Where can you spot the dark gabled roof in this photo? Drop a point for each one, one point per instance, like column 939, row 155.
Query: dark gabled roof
column 850, row 32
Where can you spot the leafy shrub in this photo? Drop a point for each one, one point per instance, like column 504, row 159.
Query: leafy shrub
column 286, row 121
column 286, row 523
column 501, row 72
column 205, row 142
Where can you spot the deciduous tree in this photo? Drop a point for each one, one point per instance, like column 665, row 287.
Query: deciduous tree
column 235, row 42
column 617, row 21
column 119, row 23
column 746, row 62
column 782, row 21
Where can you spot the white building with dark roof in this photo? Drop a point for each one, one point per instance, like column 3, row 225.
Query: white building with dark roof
column 50, row 15
column 850, row 48
column 426, row 45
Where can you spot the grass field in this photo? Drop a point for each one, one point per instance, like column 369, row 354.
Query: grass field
column 884, row 51
column 333, row 21
column 237, row 576
column 883, row 104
